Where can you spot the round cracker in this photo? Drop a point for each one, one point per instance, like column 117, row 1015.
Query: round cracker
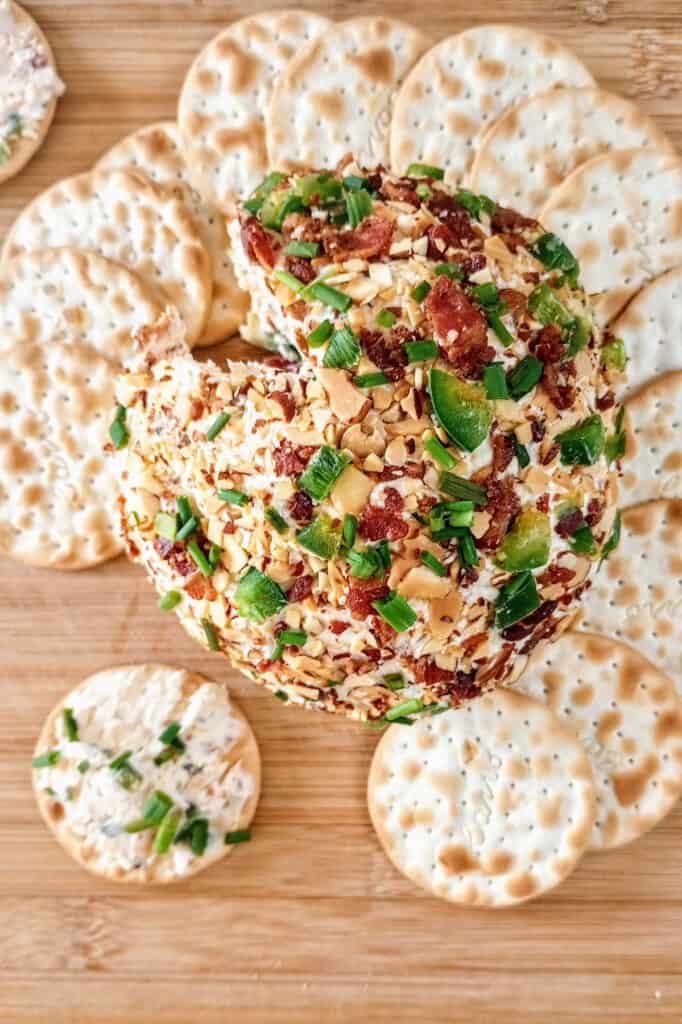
column 464, row 83
column 125, row 217
column 73, row 296
column 127, row 709
column 535, row 145
column 336, row 95
column 26, row 147
column 627, row 715
column 222, row 106
column 155, row 150
column 58, row 490
column 621, row 215
column 651, row 327
column 652, row 466
column 637, row 596
column 488, row 805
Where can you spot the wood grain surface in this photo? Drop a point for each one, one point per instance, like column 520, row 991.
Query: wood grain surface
column 309, row 922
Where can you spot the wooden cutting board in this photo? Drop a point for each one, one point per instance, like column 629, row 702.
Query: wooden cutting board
column 309, row 922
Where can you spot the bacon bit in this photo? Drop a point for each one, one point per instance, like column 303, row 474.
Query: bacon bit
column 459, row 686
column 257, row 243
column 286, row 403
column 548, row 345
column 556, row 382
column 517, row 302
column 298, row 569
column 300, row 589
column 467, row 576
column 440, row 239
column 278, row 363
column 393, row 500
column 472, row 642
column 383, row 631
column 522, row 629
column 337, row 627
column 385, row 349
column 361, row 594
column 375, row 181
column 415, row 470
column 449, row 211
column 402, row 191
column 504, row 450
column 306, row 229
column 425, row 503
column 538, row 429
column 301, row 269
column 506, row 219
column 229, row 528
column 569, row 523
column 555, row 574
column 606, row 401
column 531, row 277
column 371, row 239
column 196, row 409
column 503, row 506
column 300, row 507
column 290, row 459
column 297, row 310
column 176, row 555
column 451, row 311
column 542, row 504
column 473, row 264
column 595, row 510
column 372, row 653
column 378, row 524
column 196, row 587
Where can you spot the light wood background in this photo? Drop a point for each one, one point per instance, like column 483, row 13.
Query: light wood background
column 309, row 922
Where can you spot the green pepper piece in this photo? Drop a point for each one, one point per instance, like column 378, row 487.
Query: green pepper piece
column 320, row 537
column 548, row 308
column 613, row 355
column 527, row 544
column 461, row 408
column 583, row 444
column 516, row 600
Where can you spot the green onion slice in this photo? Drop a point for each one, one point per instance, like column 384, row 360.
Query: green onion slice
column 353, row 183
column 419, row 351
column 449, row 518
column 188, row 528
column 370, row 380
column 184, row 509
column 349, row 530
column 288, row 638
column 452, row 270
column 259, row 194
column 343, row 351
column 200, row 559
column 320, row 334
column 328, row 296
column 366, row 563
column 410, row 707
column 583, row 444
column 495, row 382
column 233, row 497
column 554, row 255
column 468, row 554
column 210, row 634
column 475, row 205
column 221, row 421
column 292, row 282
column 417, row 170
column 459, row 487
column 524, row 377
column 277, row 520
column 439, row 453
column 118, row 431
column 167, row 831
column 241, row 836
column 358, row 206
column 516, row 600
column 157, row 807
column 614, row 538
column 396, row 611
column 385, row 318
column 521, row 454
column 70, row 725
column 46, row 760
column 322, row 472
column 433, row 564
column 395, row 681
column 166, row 526
column 421, row 291
column 320, row 537
column 305, row 250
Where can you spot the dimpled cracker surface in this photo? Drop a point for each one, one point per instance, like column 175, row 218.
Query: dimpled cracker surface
column 58, row 489
column 225, row 96
column 651, row 327
column 71, row 295
column 528, row 151
column 155, row 150
column 637, row 596
column 621, row 215
column 125, row 217
column 488, row 805
column 627, row 715
column 126, row 709
column 464, row 83
column 652, row 466
column 336, row 96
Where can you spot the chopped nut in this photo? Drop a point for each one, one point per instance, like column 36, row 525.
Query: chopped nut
column 345, row 400
column 360, row 443
column 396, row 452
column 351, row 492
column 421, row 582
column 373, row 464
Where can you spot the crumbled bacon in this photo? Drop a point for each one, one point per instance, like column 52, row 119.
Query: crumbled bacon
column 526, row 626
column 380, row 524
column 286, row 402
column 416, row 470
column 291, row 459
column 402, row 191
column 301, row 269
column 549, row 348
column 300, row 589
column 569, row 523
column 542, row 504
column 460, row 327
column 371, row 239
column 595, row 510
column 393, row 500
column 427, row 672
column 362, row 593
column 556, row 574
column 506, row 219
column 177, row 556
column 538, row 429
column 196, row 409
column 338, row 627
column 440, row 239
column 548, row 344
column 477, row 261
column 503, row 506
column 258, row 243
column 449, row 211
column 504, row 450
column 467, row 576
column 385, row 349
column 279, row 363
column 300, row 507
column 425, row 503
column 383, row 631
column 606, row 401
column 298, row 569
column 516, row 301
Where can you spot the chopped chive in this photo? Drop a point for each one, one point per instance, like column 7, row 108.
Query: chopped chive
column 395, row 681
column 487, row 295
column 421, row 291
column 46, row 760
column 343, row 351
column 449, row 518
column 409, row 707
column 288, row 638
column 613, row 539
column 452, row 270
column 292, row 282
column 170, row 733
column 524, row 377
column 423, row 191
column 353, row 183
column 217, row 425
column 375, row 723
column 417, row 170
column 475, row 205
column 276, row 520
column 419, row 351
column 358, row 206
column 495, row 382
column 583, row 444
column 396, row 611
column 468, row 554
column 70, row 725
column 439, row 453
column 420, row 519
column 118, row 431
column 233, row 497
column 522, row 454
column 257, row 596
column 196, row 833
column 214, row 553
column 328, row 296
column 350, row 530
column 366, row 563
column 166, row 526
column 260, row 194
column 554, row 255
column 138, row 825
column 241, row 836
column 459, row 487
column 184, row 509
column 306, row 250
column 170, row 600
column 324, row 469
column 83, row 767
column 500, row 330
column 281, row 695
column 200, row 559
column 120, row 761
column 209, row 633
column 157, row 807
column 320, row 334
column 169, row 753
column 190, row 527
column 432, row 563
column 126, row 775
column 370, row 380
column 385, row 318
column 167, row 831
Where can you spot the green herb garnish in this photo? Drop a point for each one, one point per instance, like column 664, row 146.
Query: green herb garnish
column 433, row 564
column 305, row 250
column 221, row 421
column 419, row 351
column 320, row 334
column 233, row 497
column 495, row 382
column 417, row 170
column 459, row 487
column 70, row 725
column 554, row 255
column 257, row 597
column 396, row 611
column 516, row 600
column 524, row 377
column 370, row 380
column 583, row 444
column 321, row 537
column 322, row 472
column 276, row 520
column 343, row 351
column 385, row 318
column 118, row 431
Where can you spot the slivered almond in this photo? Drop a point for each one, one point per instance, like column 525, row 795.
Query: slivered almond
column 422, row 583
column 408, row 427
column 480, row 524
column 536, row 480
